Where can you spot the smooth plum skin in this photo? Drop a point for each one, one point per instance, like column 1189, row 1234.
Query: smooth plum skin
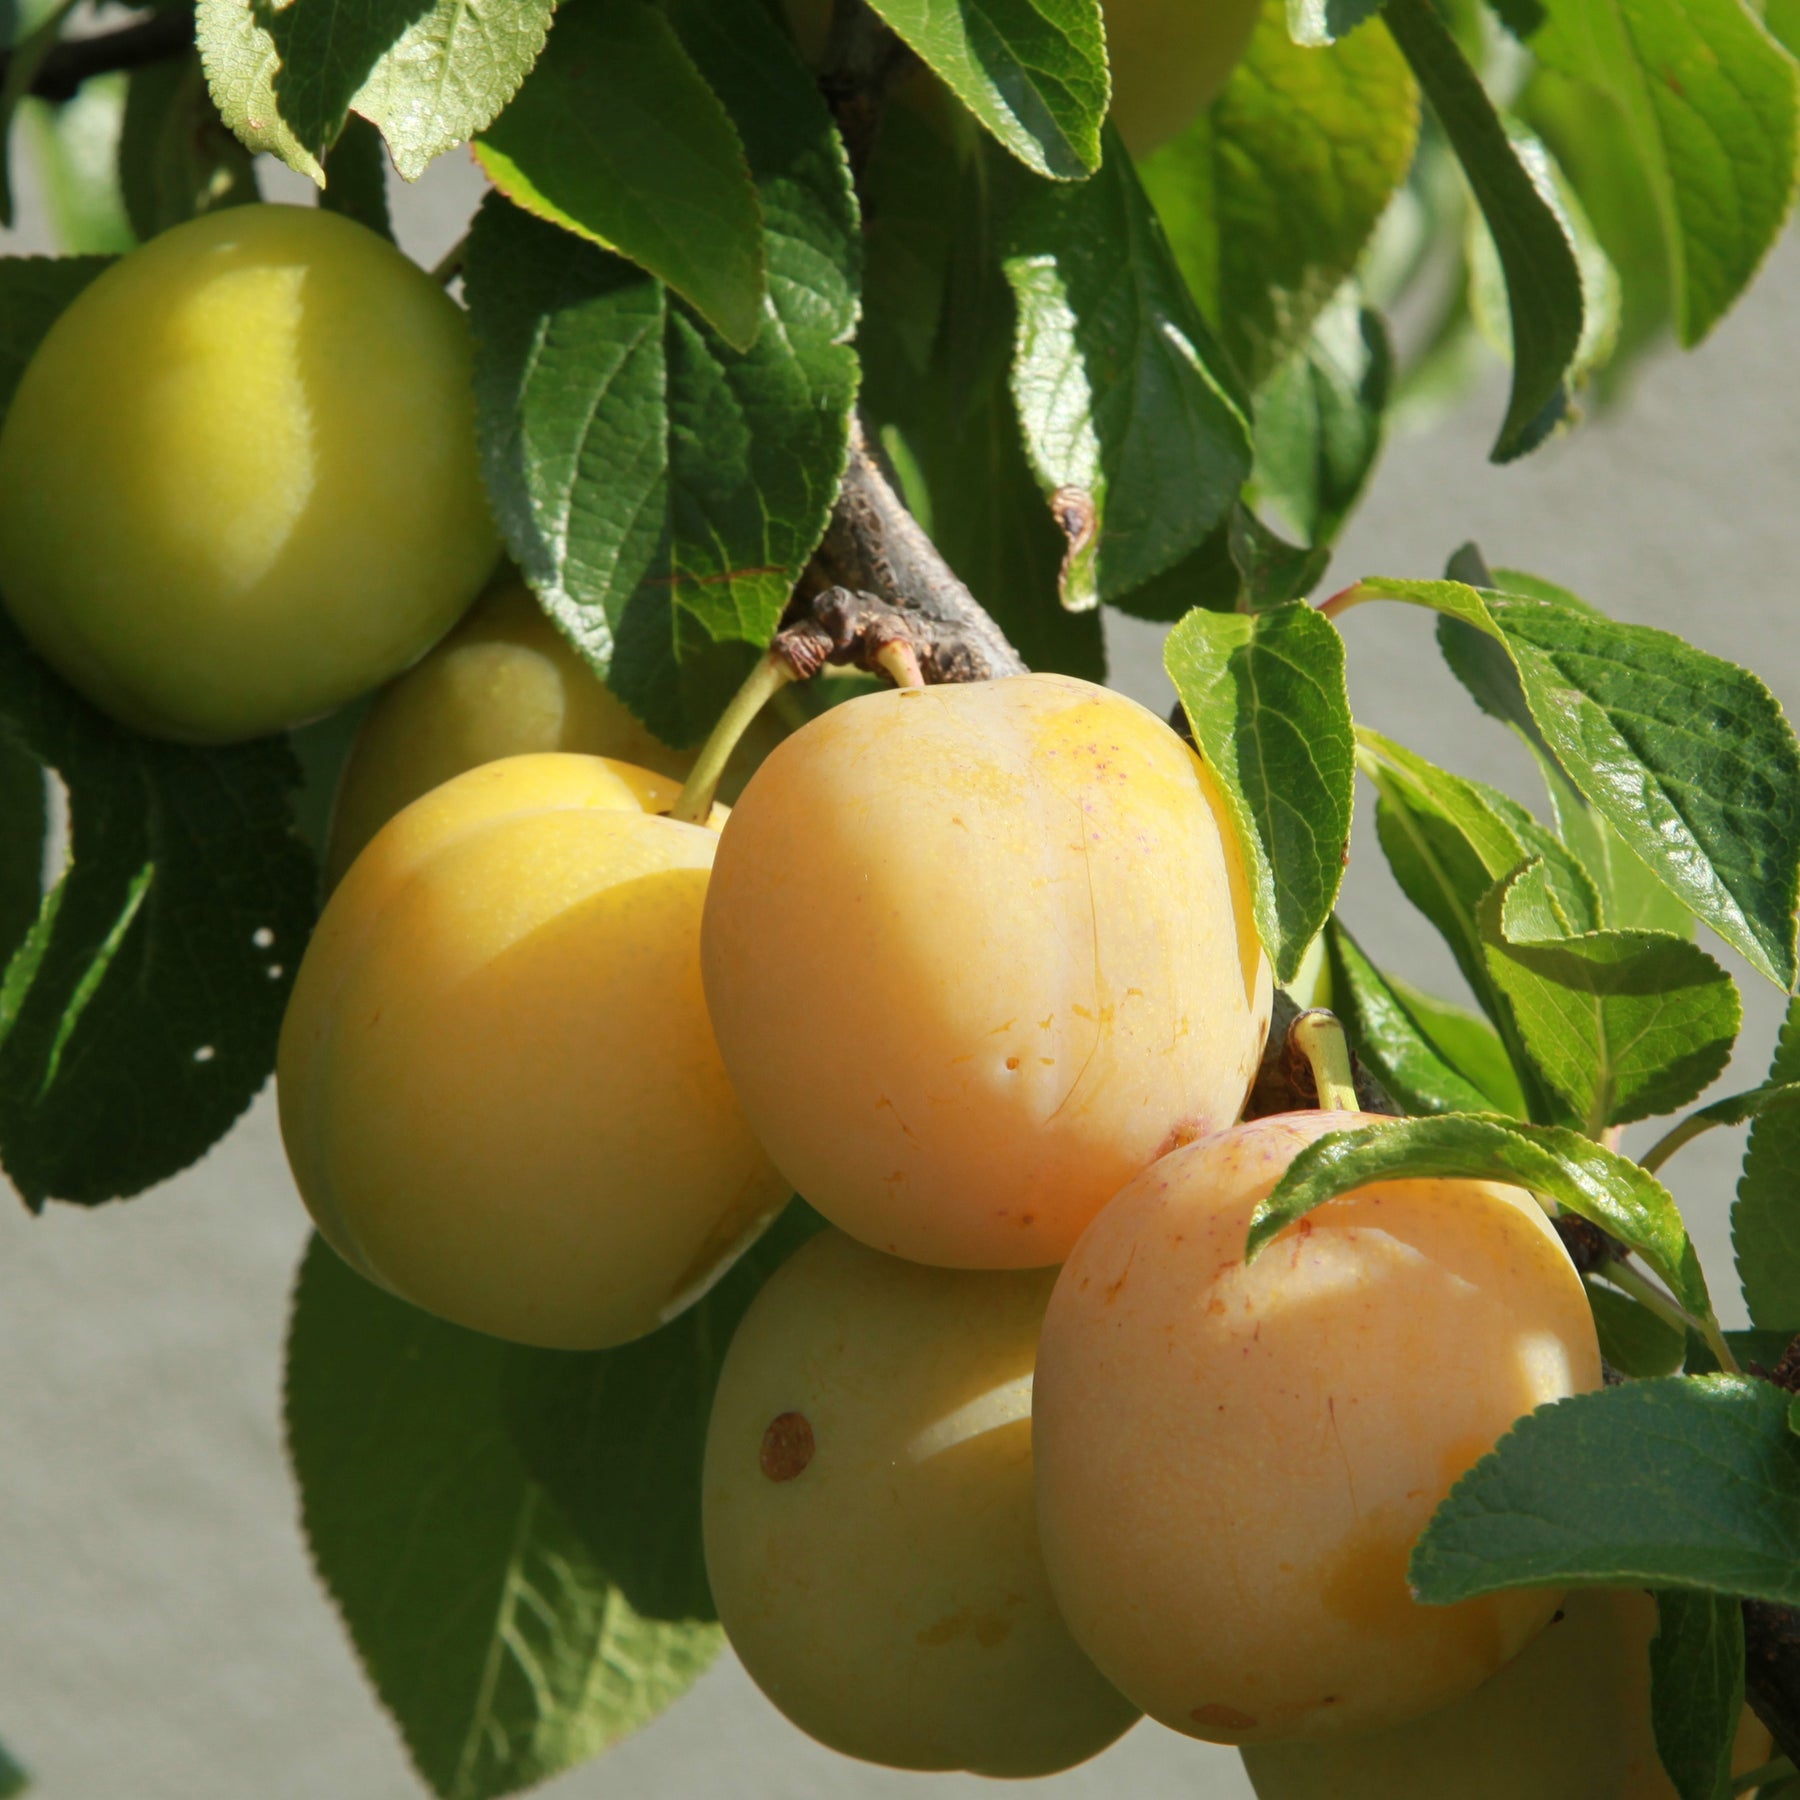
column 868, row 1518
column 1567, row 1719
column 504, row 683
column 499, row 1091
column 1028, row 888
column 239, row 483
column 1234, row 1460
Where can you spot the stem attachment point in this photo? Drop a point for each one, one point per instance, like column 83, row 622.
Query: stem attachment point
column 1318, row 1036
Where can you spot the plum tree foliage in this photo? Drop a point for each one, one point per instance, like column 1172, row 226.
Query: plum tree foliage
column 1390, row 1432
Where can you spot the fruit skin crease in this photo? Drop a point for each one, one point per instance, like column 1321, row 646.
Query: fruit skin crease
column 1030, row 890
column 499, row 1092
column 1234, row 1460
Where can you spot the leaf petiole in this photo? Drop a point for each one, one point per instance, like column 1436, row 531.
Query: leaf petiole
column 1652, row 1298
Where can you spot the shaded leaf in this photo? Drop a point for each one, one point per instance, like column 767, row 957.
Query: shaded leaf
column 616, row 135
column 1559, row 1164
column 1688, row 1482
column 1270, row 196
column 177, row 158
column 1624, row 1024
column 1131, row 414
column 1032, row 71
column 1543, row 282
column 1265, row 695
column 1687, row 756
column 1765, row 1217
column 1632, row 1338
column 660, row 490
column 139, row 1017
column 1430, row 1056
column 1697, row 1689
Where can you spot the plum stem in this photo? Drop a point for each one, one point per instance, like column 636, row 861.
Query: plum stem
column 1319, row 1037
column 771, row 674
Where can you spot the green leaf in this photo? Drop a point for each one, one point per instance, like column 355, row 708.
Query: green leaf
column 1322, row 21
column 616, row 136
column 428, row 73
column 1271, row 570
column 1270, row 196
column 177, row 159
column 1559, row 1164
column 356, row 177
column 1688, row 1482
column 1265, row 695
column 660, row 490
column 24, row 826
column 1765, row 1218
column 75, row 152
column 1430, row 1056
column 1697, row 1689
column 13, row 1779
column 1632, row 1338
column 1133, row 419
column 1623, row 1024
column 1543, row 281
column 509, row 1625
column 1032, row 71
column 954, row 413
column 1687, row 756
column 139, row 1018
column 1710, row 106
column 35, row 35
column 1320, row 420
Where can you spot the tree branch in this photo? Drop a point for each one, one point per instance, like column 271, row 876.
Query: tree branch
column 863, row 58
column 877, row 579
column 72, row 61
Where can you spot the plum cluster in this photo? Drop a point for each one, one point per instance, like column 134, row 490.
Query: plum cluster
column 1020, row 1449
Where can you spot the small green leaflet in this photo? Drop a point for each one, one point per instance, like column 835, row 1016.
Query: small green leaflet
column 428, row 73
column 139, row 1017
column 1032, row 71
column 1697, row 1689
column 1133, row 419
column 1543, row 281
column 1320, row 420
column 176, row 158
column 1271, row 194
column 616, row 135
column 1623, row 1024
column 1265, row 695
column 660, row 490
column 512, row 1535
column 1765, row 1218
column 1687, row 756
column 1562, row 1165
column 1432, row 1057
column 1687, row 1482
column 1710, row 104
column 1632, row 1338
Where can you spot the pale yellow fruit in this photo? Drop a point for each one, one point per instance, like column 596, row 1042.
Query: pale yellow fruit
column 868, row 1518
column 1235, row 1461
column 239, row 482
column 505, row 682
column 1567, row 1719
column 1033, row 967
column 1170, row 60
column 499, row 1092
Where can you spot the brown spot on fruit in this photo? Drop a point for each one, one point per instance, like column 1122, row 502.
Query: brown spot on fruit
column 787, row 1446
column 1222, row 1718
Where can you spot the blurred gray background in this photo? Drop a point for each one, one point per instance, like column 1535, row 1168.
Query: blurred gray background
column 165, row 1638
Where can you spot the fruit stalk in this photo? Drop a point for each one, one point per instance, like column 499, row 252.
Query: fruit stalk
column 1319, row 1038
column 772, row 673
